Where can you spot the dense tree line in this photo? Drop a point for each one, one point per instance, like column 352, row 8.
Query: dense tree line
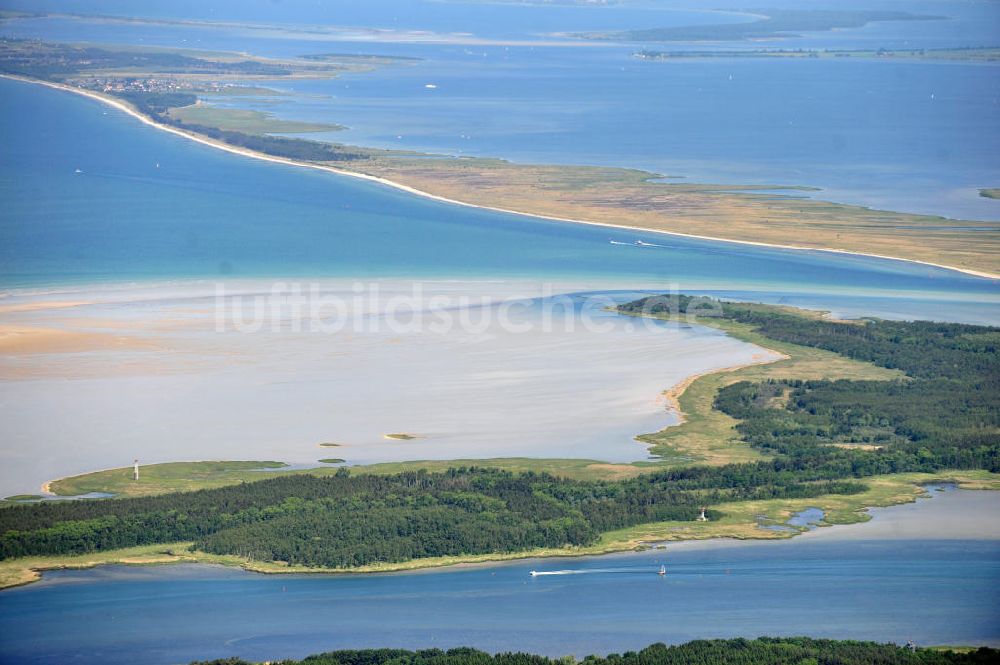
column 916, row 426
column 945, row 415
column 348, row 520
column 921, row 349
column 761, row 651
column 278, row 146
column 156, row 105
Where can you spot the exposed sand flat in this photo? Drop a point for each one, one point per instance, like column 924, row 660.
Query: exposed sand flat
column 18, row 340
column 273, row 391
column 92, row 365
column 40, row 305
column 202, row 321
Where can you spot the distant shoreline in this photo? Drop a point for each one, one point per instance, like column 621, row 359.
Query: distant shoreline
column 126, row 108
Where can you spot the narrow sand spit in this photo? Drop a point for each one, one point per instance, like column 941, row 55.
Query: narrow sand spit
column 122, row 106
column 672, row 395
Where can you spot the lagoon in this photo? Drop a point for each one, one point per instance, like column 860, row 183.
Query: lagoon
column 143, row 236
column 530, row 377
column 110, row 228
column 915, row 136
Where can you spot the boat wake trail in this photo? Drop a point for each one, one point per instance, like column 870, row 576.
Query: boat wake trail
column 594, row 571
column 638, row 243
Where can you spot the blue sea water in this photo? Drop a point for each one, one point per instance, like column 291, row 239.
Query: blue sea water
column 91, row 195
column 850, row 583
column 962, row 21
column 149, row 207
column 491, row 19
column 915, row 136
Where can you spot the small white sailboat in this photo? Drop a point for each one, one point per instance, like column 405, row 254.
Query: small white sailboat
column 663, row 570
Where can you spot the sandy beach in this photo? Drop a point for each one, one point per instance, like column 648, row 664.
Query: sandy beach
column 19, row 340
column 126, row 108
column 673, row 394
column 36, row 306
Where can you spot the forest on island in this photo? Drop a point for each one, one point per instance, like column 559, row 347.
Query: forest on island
column 353, row 520
column 943, row 415
column 761, row 651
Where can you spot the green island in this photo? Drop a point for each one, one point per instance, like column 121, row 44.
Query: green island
column 970, row 54
column 163, row 478
column 244, row 120
column 175, row 89
column 900, row 404
column 769, row 24
column 990, row 193
column 117, row 67
column 760, row 651
column 331, row 460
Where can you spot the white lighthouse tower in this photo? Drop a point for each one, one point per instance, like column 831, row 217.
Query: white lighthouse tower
column 135, row 470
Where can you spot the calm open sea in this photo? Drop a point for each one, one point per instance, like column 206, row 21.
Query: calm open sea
column 889, row 579
column 91, row 195
column 916, row 136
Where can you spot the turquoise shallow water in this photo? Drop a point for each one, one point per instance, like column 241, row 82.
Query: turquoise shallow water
column 148, row 206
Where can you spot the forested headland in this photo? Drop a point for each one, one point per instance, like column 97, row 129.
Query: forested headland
column 761, row 651
column 944, row 415
column 820, row 438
